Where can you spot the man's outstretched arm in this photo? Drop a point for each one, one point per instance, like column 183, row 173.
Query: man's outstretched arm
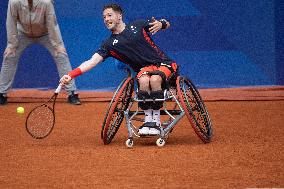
column 84, row 67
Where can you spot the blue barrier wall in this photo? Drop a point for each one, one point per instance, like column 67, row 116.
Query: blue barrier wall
column 216, row 43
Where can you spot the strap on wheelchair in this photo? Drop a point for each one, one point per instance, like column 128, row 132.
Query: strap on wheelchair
column 150, row 125
column 142, row 95
column 156, row 105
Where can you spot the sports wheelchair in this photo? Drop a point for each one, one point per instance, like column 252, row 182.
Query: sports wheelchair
column 180, row 92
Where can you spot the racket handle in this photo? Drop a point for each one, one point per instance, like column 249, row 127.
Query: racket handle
column 58, row 89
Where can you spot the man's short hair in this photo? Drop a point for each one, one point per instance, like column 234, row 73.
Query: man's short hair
column 114, row 7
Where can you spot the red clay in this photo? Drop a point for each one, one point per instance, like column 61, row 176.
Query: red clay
column 245, row 151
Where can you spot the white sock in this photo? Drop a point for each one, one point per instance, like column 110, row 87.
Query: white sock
column 148, row 115
column 156, row 117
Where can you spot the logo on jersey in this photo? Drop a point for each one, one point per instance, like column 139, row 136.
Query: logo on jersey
column 133, row 28
column 114, row 42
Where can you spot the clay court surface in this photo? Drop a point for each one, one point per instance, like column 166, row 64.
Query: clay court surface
column 246, row 151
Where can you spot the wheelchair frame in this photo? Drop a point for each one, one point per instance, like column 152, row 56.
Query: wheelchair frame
column 187, row 102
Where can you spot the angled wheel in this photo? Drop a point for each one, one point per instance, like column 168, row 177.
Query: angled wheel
column 115, row 113
column 194, row 108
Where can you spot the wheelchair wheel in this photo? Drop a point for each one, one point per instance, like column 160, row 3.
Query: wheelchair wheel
column 194, row 108
column 115, row 113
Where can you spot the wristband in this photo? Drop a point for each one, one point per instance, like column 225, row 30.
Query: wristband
column 164, row 23
column 74, row 73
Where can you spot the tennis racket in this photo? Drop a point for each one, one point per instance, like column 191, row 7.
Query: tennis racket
column 41, row 119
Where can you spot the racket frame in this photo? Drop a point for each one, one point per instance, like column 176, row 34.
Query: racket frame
column 52, row 109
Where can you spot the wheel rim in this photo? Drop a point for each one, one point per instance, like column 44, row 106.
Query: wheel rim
column 194, row 108
column 115, row 114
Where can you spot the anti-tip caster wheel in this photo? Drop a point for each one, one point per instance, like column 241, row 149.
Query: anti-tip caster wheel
column 129, row 143
column 160, row 142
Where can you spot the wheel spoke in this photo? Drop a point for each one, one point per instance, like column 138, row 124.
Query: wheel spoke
column 195, row 109
column 115, row 114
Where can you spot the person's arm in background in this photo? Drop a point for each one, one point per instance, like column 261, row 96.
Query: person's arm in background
column 84, row 67
column 11, row 27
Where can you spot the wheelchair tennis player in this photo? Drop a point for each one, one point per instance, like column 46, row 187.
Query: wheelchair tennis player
column 131, row 44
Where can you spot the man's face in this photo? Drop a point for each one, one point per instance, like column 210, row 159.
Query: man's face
column 111, row 18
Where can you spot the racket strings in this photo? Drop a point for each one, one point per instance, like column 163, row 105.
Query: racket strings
column 40, row 121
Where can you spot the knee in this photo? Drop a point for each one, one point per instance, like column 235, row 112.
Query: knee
column 144, row 81
column 156, row 79
column 61, row 58
column 156, row 82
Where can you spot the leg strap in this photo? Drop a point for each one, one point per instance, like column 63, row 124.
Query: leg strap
column 157, row 95
column 142, row 95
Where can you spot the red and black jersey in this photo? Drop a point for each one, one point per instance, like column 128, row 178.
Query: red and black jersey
column 134, row 46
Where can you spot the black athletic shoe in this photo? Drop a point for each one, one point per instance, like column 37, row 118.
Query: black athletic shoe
column 149, row 124
column 3, row 99
column 74, row 99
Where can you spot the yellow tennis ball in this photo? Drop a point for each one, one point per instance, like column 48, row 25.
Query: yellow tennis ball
column 20, row 110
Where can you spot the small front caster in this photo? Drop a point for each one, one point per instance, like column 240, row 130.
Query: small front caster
column 160, row 142
column 129, row 143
